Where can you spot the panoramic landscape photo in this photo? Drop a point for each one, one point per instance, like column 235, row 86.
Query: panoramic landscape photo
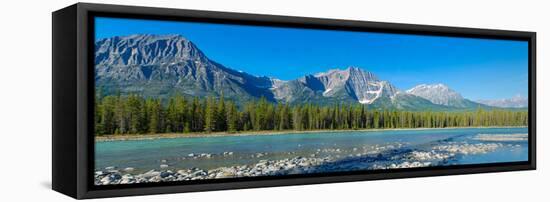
column 186, row 101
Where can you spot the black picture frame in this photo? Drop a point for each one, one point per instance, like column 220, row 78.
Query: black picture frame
column 73, row 96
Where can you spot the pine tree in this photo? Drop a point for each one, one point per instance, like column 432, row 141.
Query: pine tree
column 232, row 119
column 221, row 115
column 108, row 119
column 134, row 105
column 210, row 115
column 196, row 115
column 154, row 116
column 121, row 116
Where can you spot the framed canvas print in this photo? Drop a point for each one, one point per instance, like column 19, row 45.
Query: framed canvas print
column 153, row 100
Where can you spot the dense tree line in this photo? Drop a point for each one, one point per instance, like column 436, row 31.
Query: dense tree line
column 137, row 115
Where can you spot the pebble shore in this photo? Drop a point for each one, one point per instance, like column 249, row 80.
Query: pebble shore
column 390, row 156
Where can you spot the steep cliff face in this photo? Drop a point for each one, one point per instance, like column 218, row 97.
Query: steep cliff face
column 161, row 65
column 164, row 65
column 349, row 85
column 363, row 86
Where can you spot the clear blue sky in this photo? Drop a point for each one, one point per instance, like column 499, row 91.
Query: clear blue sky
column 476, row 68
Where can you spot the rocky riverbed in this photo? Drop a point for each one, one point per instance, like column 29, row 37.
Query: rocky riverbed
column 502, row 137
column 389, row 156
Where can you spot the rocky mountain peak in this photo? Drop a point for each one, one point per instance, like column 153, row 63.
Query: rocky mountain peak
column 344, row 74
column 362, row 85
column 436, row 93
column 165, row 65
column 513, row 102
column 146, row 49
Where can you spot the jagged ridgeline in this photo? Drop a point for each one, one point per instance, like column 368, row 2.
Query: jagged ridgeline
column 162, row 66
column 166, row 65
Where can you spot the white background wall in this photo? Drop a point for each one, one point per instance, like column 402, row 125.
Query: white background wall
column 25, row 99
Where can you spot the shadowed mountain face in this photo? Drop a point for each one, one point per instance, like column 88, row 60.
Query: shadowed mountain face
column 155, row 66
column 165, row 65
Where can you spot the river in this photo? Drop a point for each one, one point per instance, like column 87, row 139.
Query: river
column 331, row 151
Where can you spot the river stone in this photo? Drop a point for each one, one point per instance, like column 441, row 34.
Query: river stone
column 126, row 181
column 115, row 176
column 165, row 174
column 183, row 172
column 113, row 171
column 198, row 173
column 105, row 180
column 155, row 179
column 150, row 174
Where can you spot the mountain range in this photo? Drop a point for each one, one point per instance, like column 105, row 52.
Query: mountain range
column 165, row 65
column 514, row 102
